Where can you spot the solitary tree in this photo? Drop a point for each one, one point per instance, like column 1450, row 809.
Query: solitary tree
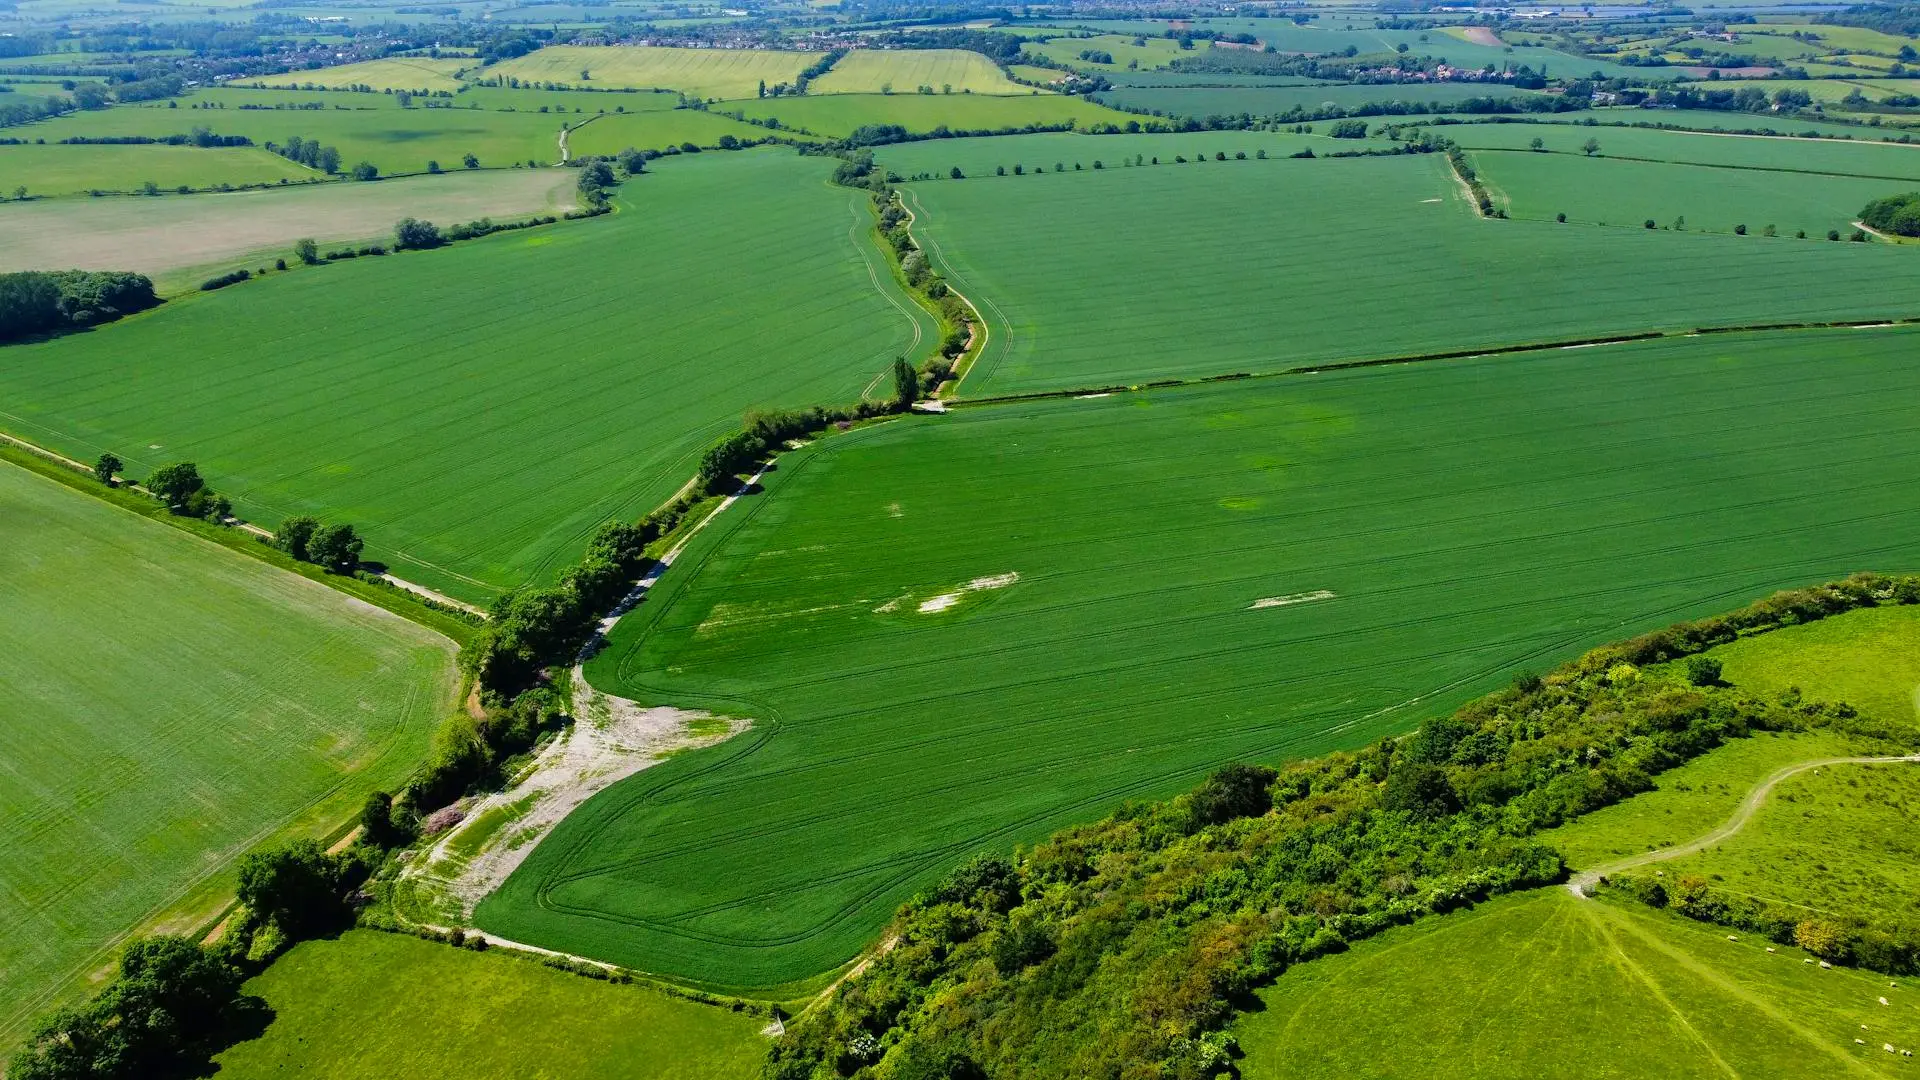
column 1590, row 147
column 1703, row 671
column 306, row 250
column 906, row 383
column 336, row 548
column 414, row 234
column 175, row 484
column 366, row 170
column 1537, row 143
column 104, row 469
column 470, row 161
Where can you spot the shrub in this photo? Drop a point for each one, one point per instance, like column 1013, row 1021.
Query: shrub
column 231, row 278
column 412, row 234
column 1703, row 671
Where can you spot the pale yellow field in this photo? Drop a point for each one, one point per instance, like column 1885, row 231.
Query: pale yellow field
column 902, row 71
column 398, row 73
column 707, row 73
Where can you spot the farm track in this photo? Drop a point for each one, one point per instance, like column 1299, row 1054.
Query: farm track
column 1726, row 830
column 978, row 335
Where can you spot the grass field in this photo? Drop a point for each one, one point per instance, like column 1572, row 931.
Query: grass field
column 962, row 632
column 873, row 71
column 1278, row 100
column 657, row 130
column 531, row 386
column 1151, row 55
column 171, row 705
column 1542, row 983
column 1837, row 841
column 1609, row 191
column 979, row 157
column 477, row 1014
column 1690, row 800
column 1322, row 271
column 838, row 114
column 707, row 73
column 1869, row 659
column 68, row 170
column 395, row 73
column 168, row 237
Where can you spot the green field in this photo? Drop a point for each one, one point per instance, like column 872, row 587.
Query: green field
column 171, row 704
column 979, row 157
column 901, row 71
column 181, row 240
column 957, row 633
column 1543, row 984
column 531, row 386
column 707, row 73
column 1857, row 157
column 612, row 133
column 838, row 114
column 371, row 1006
column 1869, row 659
column 68, row 170
column 1279, row 100
column 1322, row 270
column 396, row 73
column 1151, row 55
column 1609, row 191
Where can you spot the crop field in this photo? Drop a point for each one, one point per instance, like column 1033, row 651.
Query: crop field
column 395, row 73
column 476, row 1014
column 1279, row 100
column 572, row 101
column 1321, row 271
column 707, row 73
column 979, row 157
column 1153, row 53
column 1322, row 37
column 1519, row 987
column 69, row 170
column 1838, row 157
column 1869, row 659
column 1831, row 840
column 1620, row 118
column 395, row 140
column 838, row 114
column 1253, row 571
column 873, row 71
column 478, row 433
column 186, row 703
column 1609, row 191
column 657, row 130
column 1689, row 800
column 165, row 237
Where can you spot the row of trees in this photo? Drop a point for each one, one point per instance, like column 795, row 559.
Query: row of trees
column 310, row 153
column 1122, row 947
column 335, row 547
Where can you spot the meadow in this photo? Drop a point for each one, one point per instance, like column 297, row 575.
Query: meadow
column 873, row 71
column 476, row 1014
column 71, row 170
column 1522, row 986
column 1280, row 100
column 837, row 115
column 1321, row 270
column 1869, row 659
column 1253, row 571
column 1611, row 191
column 532, row 385
column 707, row 73
column 394, row 73
column 186, row 704
column 979, row 157
column 168, row 238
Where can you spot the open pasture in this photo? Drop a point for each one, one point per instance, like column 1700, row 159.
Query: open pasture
column 1610, row 191
column 171, row 704
column 1322, row 271
column 707, row 73
column 836, row 115
column 1280, row 100
column 1519, row 987
column 165, row 238
column 476, row 1014
column 532, row 385
column 957, row 633
column 71, row 170
column 979, row 157
column 1838, row 157
column 901, row 71
column 1869, row 659
column 394, row 73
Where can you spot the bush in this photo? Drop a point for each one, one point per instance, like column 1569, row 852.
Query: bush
column 234, row 277
column 299, row 887
column 1703, row 671
column 1348, row 129
column 412, row 234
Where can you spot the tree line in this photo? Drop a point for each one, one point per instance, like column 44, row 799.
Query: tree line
column 1125, row 947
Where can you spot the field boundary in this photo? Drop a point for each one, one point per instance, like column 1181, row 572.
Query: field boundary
column 978, row 334
column 1707, row 164
column 976, row 352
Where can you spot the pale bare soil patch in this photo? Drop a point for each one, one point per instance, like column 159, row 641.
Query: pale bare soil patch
column 1481, row 35
column 155, row 235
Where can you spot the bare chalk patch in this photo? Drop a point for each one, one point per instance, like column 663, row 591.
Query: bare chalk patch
column 1089, row 397
column 936, row 604
column 1291, row 599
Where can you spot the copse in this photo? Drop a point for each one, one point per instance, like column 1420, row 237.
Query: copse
column 181, row 488
column 42, row 301
column 412, row 234
column 1896, row 214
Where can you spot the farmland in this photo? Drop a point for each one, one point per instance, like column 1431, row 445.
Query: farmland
column 476, row 1014
column 1308, row 537
column 707, row 73
column 1078, row 312
column 432, row 426
column 1610, row 191
column 187, row 703
column 1837, row 157
column 1281, row 100
column 979, row 157
column 1520, row 986
column 68, row 170
column 839, row 114
column 168, row 236
column 397, row 73
column 874, row 71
